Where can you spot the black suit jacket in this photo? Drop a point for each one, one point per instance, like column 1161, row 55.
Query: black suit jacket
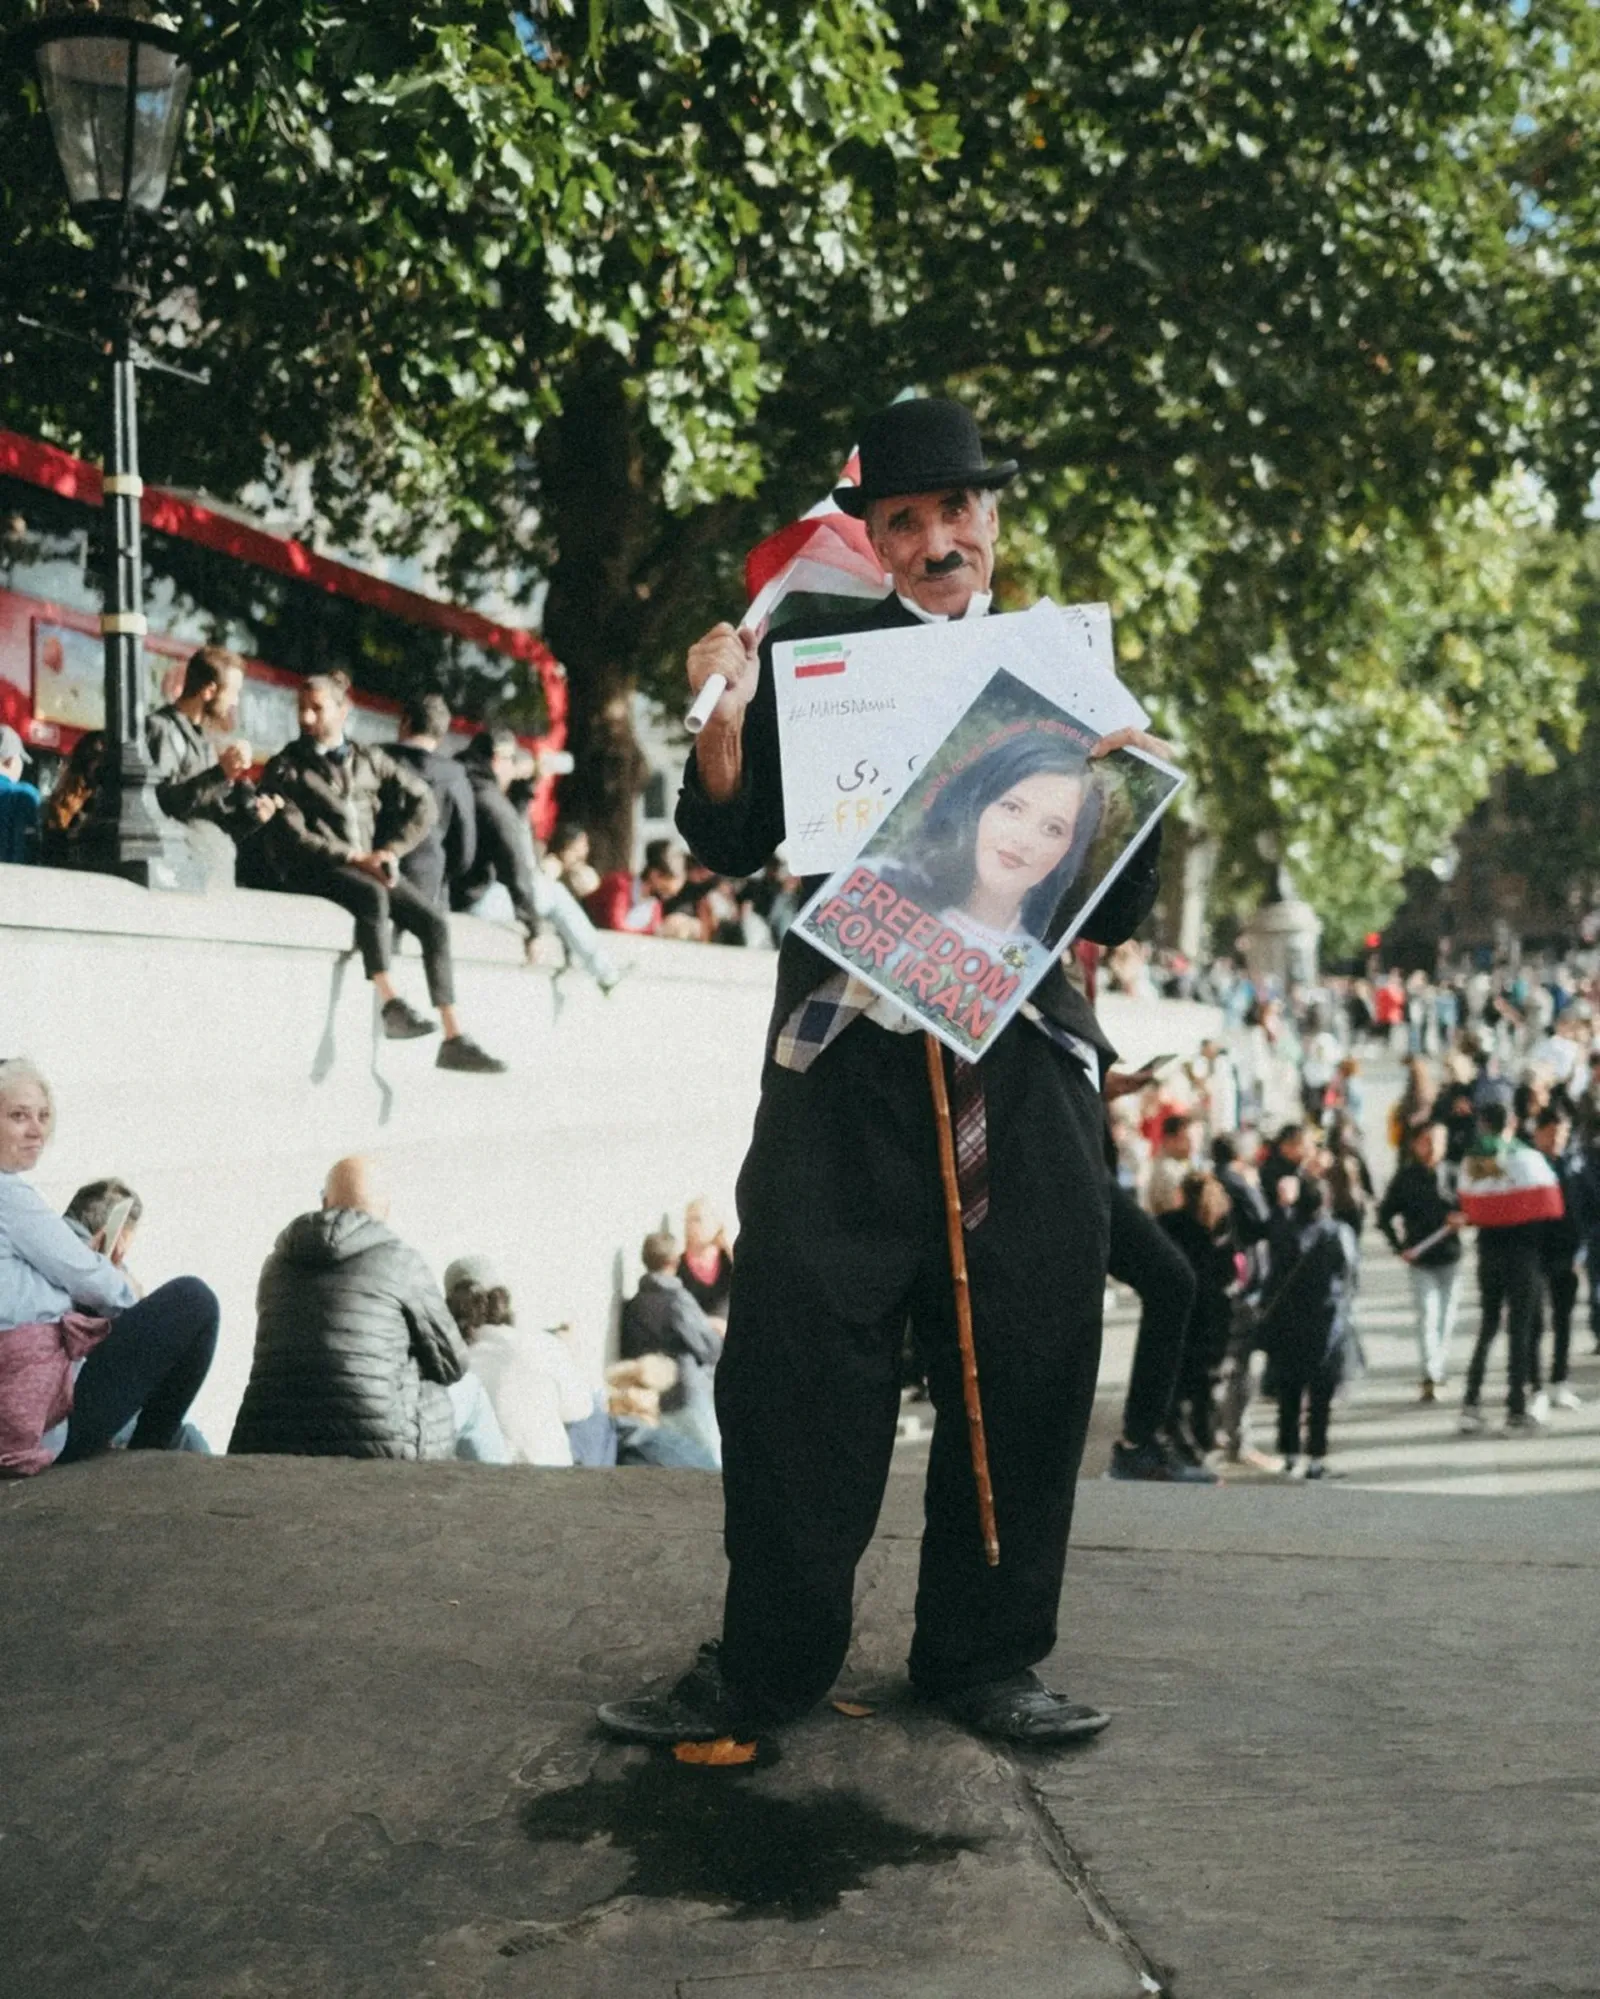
column 445, row 852
column 738, row 837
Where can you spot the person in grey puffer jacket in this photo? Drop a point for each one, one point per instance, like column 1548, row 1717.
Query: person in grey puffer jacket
column 356, row 1352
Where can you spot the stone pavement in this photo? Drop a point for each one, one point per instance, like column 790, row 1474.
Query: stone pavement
column 278, row 1728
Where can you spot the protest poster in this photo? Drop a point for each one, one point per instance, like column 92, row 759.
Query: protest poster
column 858, row 714
column 989, row 864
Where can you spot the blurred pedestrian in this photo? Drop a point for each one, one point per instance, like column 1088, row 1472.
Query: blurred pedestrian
column 1421, row 1221
column 1308, row 1332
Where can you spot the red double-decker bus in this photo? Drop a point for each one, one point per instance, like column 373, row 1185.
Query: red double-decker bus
column 212, row 577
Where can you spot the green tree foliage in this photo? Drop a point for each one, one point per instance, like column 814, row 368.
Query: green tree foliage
column 1274, row 297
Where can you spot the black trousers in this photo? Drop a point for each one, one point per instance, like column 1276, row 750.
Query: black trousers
column 842, row 1238
column 1561, row 1288
column 1308, row 1385
column 380, row 910
column 1144, row 1256
column 150, row 1365
column 1508, row 1281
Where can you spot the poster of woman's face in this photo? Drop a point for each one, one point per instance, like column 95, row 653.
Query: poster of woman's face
column 990, row 862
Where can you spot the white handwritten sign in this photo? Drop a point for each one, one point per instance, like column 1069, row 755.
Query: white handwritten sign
column 858, row 714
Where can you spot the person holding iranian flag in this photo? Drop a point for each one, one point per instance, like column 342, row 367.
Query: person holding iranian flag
column 1508, row 1191
column 844, row 1228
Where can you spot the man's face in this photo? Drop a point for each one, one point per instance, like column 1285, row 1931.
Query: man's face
column 1181, row 1144
column 504, row 765
column 1553, row 1138
column 322, row 715
column 11, row 767
column 938, row 547
column 222, row 699
column 663, row 882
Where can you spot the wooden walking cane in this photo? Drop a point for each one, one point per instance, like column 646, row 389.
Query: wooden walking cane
column 963, row 1290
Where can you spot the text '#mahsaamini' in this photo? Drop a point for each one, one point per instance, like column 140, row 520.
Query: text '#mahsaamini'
column 881, row 931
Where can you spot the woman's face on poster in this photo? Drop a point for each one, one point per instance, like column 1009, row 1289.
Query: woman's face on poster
column 1026, row 832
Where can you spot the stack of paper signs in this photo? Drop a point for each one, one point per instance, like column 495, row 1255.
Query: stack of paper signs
column 940, row 776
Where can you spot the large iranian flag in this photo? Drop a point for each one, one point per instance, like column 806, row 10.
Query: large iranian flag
column 818, row 567
column 1512, row 1184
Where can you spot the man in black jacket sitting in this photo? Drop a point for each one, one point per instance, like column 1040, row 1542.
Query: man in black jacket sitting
column 194, row 779
column 445, row 852
column 356, row 1353
column 347, row 813
column 505, row 858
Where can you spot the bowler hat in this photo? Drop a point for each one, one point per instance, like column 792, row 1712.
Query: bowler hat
column 921, row 445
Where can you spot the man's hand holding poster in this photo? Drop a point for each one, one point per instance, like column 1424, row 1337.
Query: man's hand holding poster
column 989, row 863
column 858, row 716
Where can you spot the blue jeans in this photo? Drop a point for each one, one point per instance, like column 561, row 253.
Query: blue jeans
column 555, row 904
column 147, row 1370
column 478, row 1433
column 1434, row 1290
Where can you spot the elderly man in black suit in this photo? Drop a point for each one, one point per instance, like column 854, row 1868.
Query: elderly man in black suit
column 843, row 1235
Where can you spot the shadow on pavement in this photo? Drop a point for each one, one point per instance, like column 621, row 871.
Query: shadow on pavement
column 718, row 1836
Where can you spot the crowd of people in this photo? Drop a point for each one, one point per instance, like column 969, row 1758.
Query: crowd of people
column 358, row 1351
column 397, row 834
column 1244, row 1188
column 1249, row 1160
column 1242, row 1241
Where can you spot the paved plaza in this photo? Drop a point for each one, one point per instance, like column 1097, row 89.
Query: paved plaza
column 277, row 1727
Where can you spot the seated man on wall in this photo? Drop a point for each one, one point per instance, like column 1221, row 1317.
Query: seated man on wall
column 446, row 850
column 195, row 779
column 506, row 873
column 356, row 1353
column 19, row 803
column 347, row 813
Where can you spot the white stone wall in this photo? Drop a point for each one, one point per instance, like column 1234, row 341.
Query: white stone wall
column 219, row 1052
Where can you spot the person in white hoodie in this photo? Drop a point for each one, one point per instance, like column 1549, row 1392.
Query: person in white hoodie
column 533, row 1380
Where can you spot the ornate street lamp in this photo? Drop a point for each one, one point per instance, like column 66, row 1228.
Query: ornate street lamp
column 114, row 87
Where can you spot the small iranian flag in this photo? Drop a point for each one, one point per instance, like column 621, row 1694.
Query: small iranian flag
column 813, row 661
column 1509, row 1185
column 819, row 566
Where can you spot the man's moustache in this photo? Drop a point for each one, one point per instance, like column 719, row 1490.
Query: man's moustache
column 946, row 563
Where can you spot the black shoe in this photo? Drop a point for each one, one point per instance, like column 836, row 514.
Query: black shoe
column 404, row 1023
column 1156, row 1460
column 696, row 1709
column 462, row 1052
column 1023, row 1709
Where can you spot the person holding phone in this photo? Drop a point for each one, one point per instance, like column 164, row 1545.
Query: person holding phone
column 82, row 1355
column 106, row 1214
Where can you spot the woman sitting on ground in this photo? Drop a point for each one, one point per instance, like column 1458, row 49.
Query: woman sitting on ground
column 706, row 1267
column 81, row 1353
column 534, row 1382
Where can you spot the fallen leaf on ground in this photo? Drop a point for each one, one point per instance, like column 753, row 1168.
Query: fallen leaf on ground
column 723, row 1751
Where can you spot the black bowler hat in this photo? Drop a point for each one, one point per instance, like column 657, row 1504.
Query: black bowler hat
column 921, row 445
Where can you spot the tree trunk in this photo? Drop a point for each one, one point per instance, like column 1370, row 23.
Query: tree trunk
column 599, row 515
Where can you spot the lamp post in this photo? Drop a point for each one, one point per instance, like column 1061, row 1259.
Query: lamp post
column 114, row 88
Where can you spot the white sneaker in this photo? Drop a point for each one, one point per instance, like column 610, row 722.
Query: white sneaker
column 1564, row 1397
column 1539, row 1407
column 1470, row 1421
